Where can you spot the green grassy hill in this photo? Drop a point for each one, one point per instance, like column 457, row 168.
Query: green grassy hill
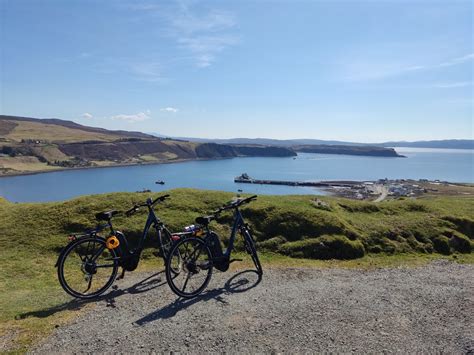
column 32, row 234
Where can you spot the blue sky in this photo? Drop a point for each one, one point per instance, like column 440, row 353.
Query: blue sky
column 351, row 70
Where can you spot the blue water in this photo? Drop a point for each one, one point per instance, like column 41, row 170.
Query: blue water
column 443, row 164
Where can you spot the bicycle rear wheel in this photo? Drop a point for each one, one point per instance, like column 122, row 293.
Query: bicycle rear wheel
column 194, row 259
column 87, row 268
column 251, row 249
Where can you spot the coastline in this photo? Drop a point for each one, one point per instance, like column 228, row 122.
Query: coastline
column 45, row 171
column 108, row 166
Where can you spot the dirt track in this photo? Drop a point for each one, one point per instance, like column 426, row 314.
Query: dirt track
column 429, row 309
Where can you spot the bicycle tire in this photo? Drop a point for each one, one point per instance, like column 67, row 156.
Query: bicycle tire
column 191, row 266
column 86, row 267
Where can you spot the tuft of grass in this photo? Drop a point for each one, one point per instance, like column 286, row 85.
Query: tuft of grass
column 325, row 247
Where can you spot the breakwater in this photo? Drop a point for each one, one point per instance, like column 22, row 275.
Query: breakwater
column 245, row 179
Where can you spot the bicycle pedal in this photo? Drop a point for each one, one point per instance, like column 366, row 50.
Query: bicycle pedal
column 232, row 260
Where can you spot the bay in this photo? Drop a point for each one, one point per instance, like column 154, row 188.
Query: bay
column 420, row 163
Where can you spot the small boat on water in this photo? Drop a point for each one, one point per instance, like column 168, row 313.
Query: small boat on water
column 160, row 182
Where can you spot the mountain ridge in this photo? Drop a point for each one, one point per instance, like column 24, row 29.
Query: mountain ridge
column 441, row 143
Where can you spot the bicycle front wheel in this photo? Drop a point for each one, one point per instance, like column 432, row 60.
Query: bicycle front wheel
column 193, row 258
column 87, row 268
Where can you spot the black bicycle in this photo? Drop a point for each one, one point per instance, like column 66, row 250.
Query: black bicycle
column 88, row 265
column 196, row 256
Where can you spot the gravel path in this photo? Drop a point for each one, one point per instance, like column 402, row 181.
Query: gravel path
column 429, row 309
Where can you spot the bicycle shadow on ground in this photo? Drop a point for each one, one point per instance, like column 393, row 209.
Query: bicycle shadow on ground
column 149, row 283
column 238, row 283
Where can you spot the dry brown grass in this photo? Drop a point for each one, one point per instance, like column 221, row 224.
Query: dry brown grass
column 24, row 164
column 54, row 133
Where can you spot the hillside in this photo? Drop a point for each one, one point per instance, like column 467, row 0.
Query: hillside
column 32, row 145
column 348, row 150
column 35, row 145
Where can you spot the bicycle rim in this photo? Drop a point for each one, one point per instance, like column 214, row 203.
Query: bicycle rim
column 196, row 267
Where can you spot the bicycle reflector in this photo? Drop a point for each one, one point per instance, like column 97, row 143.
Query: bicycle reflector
column 112, row 242
column 71, row 237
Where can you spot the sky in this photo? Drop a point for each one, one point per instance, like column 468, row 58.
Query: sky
column 363, row 71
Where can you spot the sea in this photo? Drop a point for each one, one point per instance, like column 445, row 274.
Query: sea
column 453, row 165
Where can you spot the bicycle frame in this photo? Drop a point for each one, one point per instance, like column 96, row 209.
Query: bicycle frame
column 237, row 225
column 152, row 220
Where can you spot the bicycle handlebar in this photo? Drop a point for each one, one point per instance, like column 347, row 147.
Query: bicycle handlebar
column 235, row 204
column 148, row 203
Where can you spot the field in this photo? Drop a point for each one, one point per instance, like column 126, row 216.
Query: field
column 290, row 231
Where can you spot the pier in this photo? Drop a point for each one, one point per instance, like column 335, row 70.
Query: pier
column 245, row 179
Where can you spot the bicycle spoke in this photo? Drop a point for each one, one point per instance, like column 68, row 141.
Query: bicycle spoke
column 89, row 284
column 186, row 282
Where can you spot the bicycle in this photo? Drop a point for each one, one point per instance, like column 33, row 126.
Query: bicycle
column 196, row 256
column 88, row 265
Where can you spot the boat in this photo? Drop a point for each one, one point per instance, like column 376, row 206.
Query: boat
column 160, row 182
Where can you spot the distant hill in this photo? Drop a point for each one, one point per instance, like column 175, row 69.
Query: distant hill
column 33, row 145
column 446, row 144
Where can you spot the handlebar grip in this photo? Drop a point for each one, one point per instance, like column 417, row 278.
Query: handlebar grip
column 160, row 198
column 131, row 211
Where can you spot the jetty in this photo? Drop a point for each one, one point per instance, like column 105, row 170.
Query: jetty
column 246, row 179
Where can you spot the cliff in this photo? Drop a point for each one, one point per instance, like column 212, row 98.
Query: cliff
column 348, row 150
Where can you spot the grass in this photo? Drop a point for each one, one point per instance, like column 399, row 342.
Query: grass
column 54, row 133
column 24, row 163
column 364, row 234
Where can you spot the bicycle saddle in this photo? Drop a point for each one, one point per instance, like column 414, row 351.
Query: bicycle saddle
column 205, row 220
column 105, row 216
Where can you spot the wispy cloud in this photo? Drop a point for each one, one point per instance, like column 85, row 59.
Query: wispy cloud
column 169, row 109
column 87, row 115
column 453, row 85
column 138, row 117
column 366, row 70
column 203, row 34
column 147, row 71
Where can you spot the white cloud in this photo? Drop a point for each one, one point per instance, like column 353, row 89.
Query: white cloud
column 87, row 116
column 138, row 117
column 169, row 109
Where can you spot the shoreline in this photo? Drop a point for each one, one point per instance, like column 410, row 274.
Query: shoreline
column 45, row 171
column 108, row 166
